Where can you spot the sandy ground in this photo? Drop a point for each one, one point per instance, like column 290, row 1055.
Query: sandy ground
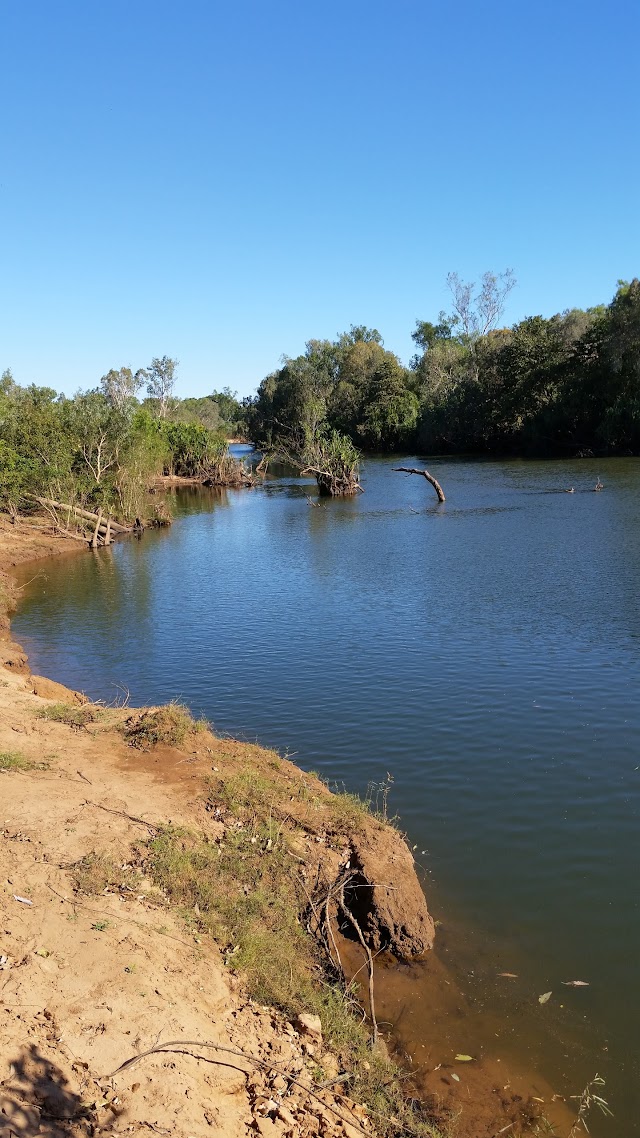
column 88, row 982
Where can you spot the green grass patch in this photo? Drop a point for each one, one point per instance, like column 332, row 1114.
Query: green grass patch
column 14, row 761
column 170, row 725
column 244, row 892
column 74, row 715
column 255, row 794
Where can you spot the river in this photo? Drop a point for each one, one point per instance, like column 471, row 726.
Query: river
column 484, row 652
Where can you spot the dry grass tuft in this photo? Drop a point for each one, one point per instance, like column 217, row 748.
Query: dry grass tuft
column 170, row 725
column 70, row 714
column 96, row 872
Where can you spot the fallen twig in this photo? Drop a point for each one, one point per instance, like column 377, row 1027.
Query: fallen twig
column 174, row 1044
column 122, row 813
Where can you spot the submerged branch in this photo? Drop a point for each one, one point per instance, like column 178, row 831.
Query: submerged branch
column 425, row 474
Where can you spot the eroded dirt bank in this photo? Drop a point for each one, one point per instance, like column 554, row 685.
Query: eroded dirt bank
column 111, row 843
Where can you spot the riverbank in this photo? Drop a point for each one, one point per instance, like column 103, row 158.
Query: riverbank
column 210, row 788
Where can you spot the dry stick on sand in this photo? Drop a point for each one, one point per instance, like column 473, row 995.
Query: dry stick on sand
column 425, row 474
column 179, row 1044
column 122, row 813
column 173, row 1044
column 327, row 917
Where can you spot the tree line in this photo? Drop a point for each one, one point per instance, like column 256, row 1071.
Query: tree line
column 103, row 448
column 564, row 385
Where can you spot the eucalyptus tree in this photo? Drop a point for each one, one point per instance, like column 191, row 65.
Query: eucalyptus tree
column 160, row 376
column 120, row 385
column 478, row 309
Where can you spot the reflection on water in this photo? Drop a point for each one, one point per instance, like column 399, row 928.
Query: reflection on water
column 485, row 652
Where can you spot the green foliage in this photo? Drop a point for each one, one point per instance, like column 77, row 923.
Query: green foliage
column 191, row 448
column 103, row 450
column 352, row 386
column 563, row 385
column 95, row 450
column 13, row 760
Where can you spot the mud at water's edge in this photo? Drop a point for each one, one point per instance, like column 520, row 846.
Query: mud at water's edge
column 427, row 1021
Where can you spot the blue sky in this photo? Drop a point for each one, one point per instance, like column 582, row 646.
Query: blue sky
column 222, row 182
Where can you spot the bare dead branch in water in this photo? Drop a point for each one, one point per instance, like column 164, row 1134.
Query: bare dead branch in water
column 425, row 474
column 352, row 919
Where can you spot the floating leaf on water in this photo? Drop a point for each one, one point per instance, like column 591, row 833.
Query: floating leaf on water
column 509, row 975
column 576, row 983
column 544, row 998
column 454, row 1076
column 464, row 1058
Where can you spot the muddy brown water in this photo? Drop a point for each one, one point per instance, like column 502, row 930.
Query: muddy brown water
column 484, row 652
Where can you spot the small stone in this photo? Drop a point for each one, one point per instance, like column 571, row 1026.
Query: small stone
column 286, row 1116
column 330, row 1065
column 310, row 1025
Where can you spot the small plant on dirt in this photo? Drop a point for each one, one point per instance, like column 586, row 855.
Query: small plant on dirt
column 13, row 760
column 346, row 813
column 95, row 872
column 73, row 715
column 378, row 800
column 170, row 725
column 245, row 794
column 100, row 926
column 587, row 1100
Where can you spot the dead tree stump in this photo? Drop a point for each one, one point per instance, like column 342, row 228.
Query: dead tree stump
column 425, row 474
column 94, row 540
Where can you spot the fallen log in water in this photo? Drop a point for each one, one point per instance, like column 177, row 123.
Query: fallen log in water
column 115, row 526
column 425, row 474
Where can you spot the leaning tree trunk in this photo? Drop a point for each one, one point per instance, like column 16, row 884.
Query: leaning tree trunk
column 425, row 474
column 94, row 539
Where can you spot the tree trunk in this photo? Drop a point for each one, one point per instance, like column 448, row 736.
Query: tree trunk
column 107, row 535
column 115, row 526
column 425, row 474
column 94, row 539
